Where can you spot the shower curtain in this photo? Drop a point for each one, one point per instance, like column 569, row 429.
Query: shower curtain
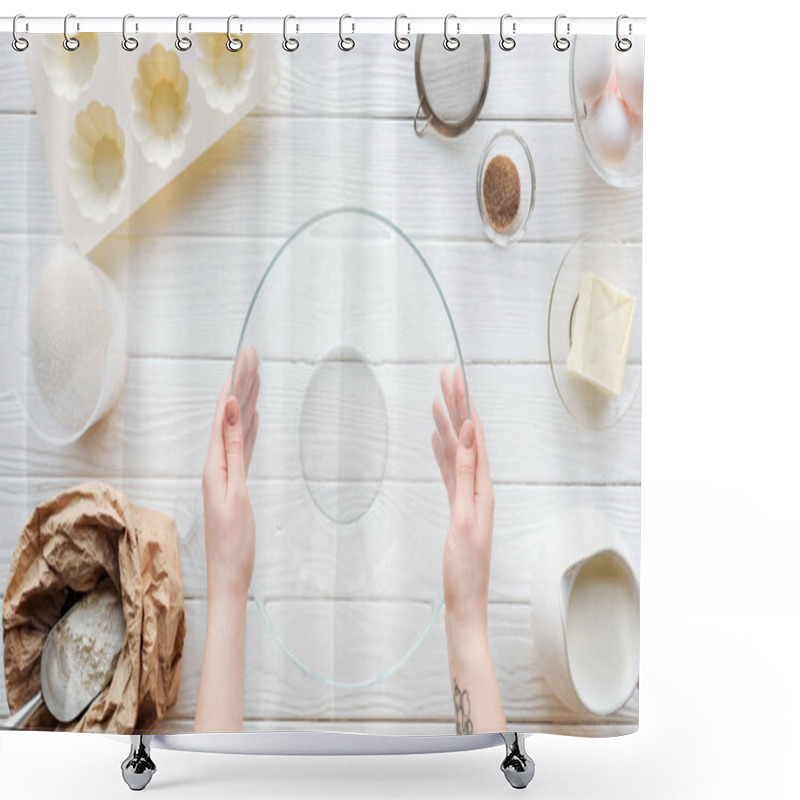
column 361, row 327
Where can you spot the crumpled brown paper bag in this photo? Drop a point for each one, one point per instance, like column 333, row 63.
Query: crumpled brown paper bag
column 72, row 542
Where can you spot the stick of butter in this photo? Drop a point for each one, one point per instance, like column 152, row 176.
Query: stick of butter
column 601, row 334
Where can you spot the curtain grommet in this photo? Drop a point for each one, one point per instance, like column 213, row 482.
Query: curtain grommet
column 289, row 44
column 182, row 43
column 560, row 43
column 71, row 43
column 233, row 44
column 623, row 43
column 401, row 43
column 507, row 43
column 346, row 43
column 451, row 43
column 129, row 43
column 19, row 43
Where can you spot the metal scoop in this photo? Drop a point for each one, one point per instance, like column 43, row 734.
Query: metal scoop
column 63, row 702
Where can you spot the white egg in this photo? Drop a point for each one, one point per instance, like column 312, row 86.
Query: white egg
column 609, row 129
column 592, row 65
column 630, row 76
column 636, row 126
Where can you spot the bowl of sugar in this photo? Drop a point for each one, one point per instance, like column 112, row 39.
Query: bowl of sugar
column 66, row 351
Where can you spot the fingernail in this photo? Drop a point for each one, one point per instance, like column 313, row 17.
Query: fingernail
column 232, row 411
column 468, row 434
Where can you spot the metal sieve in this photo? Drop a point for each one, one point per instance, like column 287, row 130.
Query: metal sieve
column 451, row 84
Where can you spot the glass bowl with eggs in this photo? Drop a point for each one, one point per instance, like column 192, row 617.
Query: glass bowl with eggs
column 607, row 91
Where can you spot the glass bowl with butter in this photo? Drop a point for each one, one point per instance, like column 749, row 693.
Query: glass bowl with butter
column 594, row 329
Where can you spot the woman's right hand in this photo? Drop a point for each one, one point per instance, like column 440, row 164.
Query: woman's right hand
column 460, row 449
column 230, row 549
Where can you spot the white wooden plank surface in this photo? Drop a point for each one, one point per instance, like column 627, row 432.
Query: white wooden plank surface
column 240, row 185
column 160, row 426
column 498, row 298
column 528, row 83
column 521, row 515
column 167, row 261
column 277, row 690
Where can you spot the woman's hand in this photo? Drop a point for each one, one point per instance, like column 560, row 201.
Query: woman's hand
column 230, row 549
column 229, row 522
column 460, row 449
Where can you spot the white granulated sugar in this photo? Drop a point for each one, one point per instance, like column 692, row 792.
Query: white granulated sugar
column 69, row 332
column 87, row 644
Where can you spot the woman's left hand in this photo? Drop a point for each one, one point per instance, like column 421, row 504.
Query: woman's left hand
column 229, row 521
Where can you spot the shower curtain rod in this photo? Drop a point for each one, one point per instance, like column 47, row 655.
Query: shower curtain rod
column 516, row 26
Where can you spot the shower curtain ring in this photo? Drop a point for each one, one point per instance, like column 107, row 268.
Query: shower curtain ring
column 451, row 42
column 401, row 42
column 346, row 42
column 290, row 44
column 18, row 42
column 561, row 43
column 507, row 42
column 623, row 44
column 183, row 43
column 71, row 43
column 233, row 44
column 129, row 43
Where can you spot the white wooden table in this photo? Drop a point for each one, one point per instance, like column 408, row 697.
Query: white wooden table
column 187, row 263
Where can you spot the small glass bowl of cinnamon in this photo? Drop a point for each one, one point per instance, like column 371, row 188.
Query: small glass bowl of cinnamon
column 506, row 187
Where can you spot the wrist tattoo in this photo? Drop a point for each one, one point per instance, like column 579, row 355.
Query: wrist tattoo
column 463, row 709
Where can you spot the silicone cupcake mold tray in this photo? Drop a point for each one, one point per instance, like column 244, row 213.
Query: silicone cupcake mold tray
column 118, row 126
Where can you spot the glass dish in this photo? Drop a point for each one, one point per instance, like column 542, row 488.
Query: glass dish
column 352, row 332
column 628, row 173
column 620, row 265
column 511, row 144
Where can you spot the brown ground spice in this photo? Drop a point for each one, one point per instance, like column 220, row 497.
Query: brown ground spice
column 501, row 193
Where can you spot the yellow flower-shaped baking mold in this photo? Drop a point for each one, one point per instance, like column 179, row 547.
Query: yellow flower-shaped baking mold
column 161, row 110
column 225, row 76
column 97, row 165
column 70, row 72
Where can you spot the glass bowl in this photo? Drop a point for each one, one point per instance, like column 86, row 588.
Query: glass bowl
column 66, row 370
column 628, row 172
column 352, row 331
column 620, row 265
column 511, row 144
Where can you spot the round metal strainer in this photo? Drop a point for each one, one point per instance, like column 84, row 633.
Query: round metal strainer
column 451, row 84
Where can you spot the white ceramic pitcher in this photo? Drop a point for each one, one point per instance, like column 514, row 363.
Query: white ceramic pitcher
column 585, row 612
